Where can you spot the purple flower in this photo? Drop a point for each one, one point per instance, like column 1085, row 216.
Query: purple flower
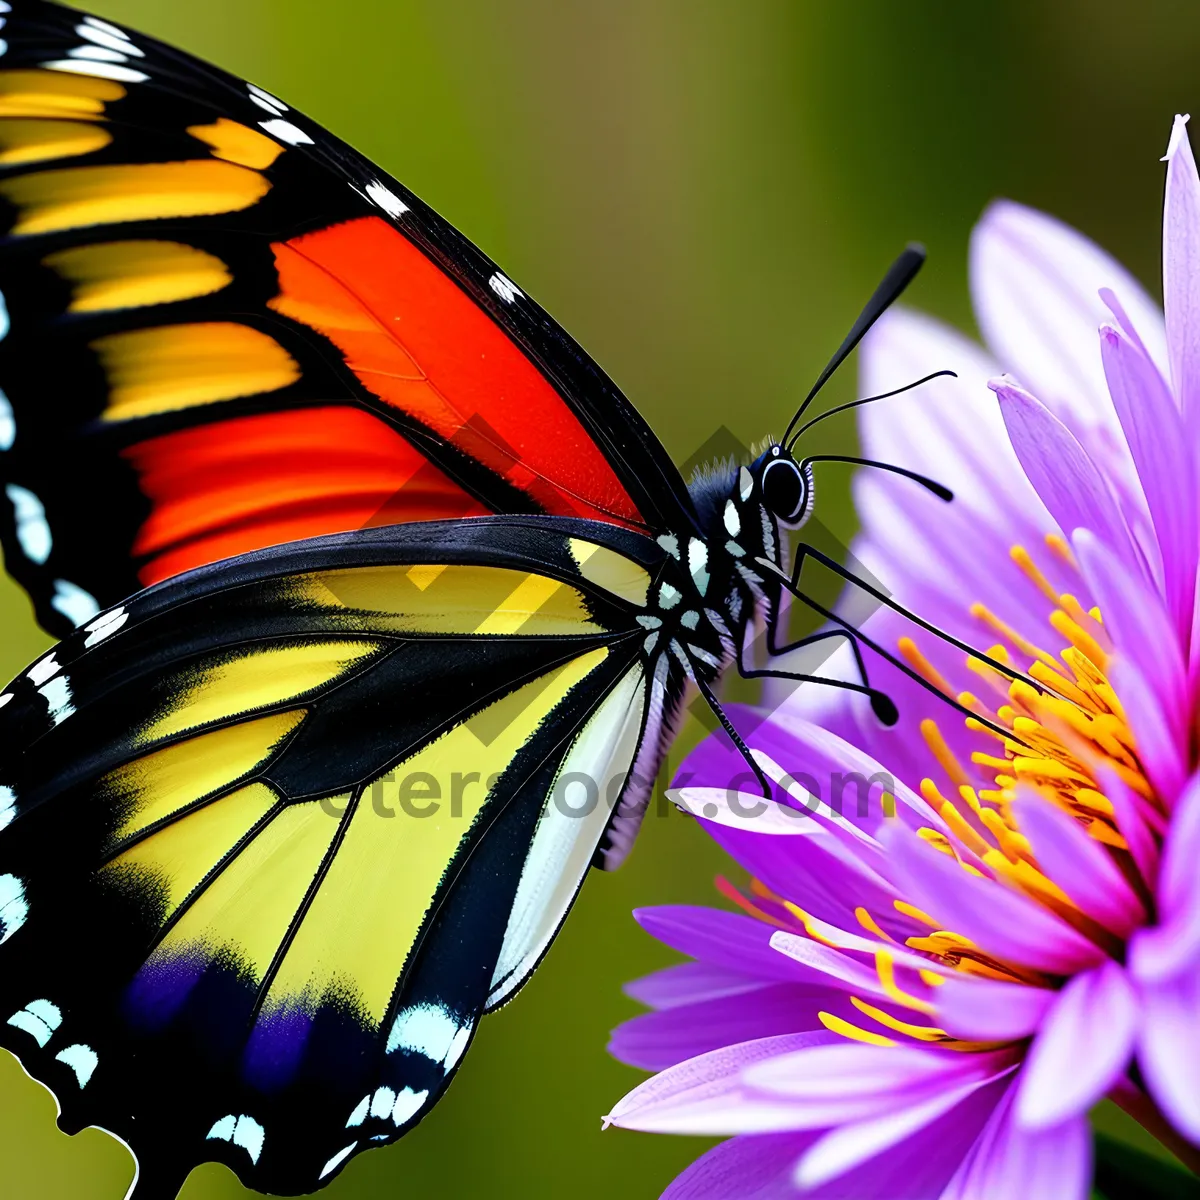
column 924, row 996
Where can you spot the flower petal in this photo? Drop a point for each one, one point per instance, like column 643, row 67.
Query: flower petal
column 1181, row 269
column 1035, row 285
column 1000, row 921
column 752, row 1167
column 1173, row 944
column 688, row 983
column 1139, row 625
column 949, row 429
column 1068, row 481
column 986, row 1009
column 657, row 1040
column 1082, row 1047
column 1009, row 1162
column 1163, row 456
column 855, row 1143
column 723, row 939
column 1078, row 864
column 1169, row 1048
column 707, row 1095
column 1160, row 751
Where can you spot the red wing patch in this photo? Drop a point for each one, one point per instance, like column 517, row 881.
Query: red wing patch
column 239, row 485
column 420, row 344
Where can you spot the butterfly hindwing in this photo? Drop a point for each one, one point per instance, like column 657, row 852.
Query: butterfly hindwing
column 227, row 330
column 278, row 832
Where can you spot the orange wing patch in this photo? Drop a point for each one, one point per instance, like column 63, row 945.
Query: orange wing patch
column 418, row 342
column 235, row 486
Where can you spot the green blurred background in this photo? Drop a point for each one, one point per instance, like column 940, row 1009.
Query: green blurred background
column 703, row 193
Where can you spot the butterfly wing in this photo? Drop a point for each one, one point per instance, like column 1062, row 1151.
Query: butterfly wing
column 276, row 833
column 224, row 329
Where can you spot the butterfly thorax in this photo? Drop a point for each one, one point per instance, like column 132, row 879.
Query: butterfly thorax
column 716, row 584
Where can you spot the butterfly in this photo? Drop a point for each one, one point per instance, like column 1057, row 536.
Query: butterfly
column 378, row 604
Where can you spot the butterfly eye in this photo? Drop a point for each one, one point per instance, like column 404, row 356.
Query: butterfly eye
column 785, row 491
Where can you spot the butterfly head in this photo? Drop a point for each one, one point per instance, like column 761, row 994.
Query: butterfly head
column 780, row 484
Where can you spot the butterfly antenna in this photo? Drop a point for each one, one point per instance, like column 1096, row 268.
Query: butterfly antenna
column 939, row 490
column 832, row 412
column 899, row 276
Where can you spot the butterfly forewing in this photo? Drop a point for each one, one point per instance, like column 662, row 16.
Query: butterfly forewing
column 239, row 333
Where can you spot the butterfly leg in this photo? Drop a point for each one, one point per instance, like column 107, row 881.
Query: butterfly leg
column 791, row 582
column 734, row 736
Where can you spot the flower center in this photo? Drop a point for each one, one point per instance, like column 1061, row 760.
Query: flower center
column 1067, row 731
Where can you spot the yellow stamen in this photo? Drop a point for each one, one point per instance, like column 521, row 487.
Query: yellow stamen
column 982, row 613
column 1078, row 637
column 868, row 923
column 1059, row 548
column 942, row 752
column 1021, row 557
column 923, row 667
column 922, row 1033
column 885, row 968
column 837, row 1025
column 911, row 910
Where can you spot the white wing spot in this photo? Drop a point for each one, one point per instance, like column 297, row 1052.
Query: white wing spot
column 670, row 543
column 98, row 70
column 97, row 54
column 43, row 669
column 103, row 26
column 359, row 1115
column 75, row 603
column 408, row 1104
column 265, row 100
column 8, row 806
column 504, row 288
column 386, row 199
column 427, row 1029
column 8, row 422
column 698, row 564
column 33, row 530
column 382, row 1103
column 337, row 1160
column 14, row 908
column 106, row 625
column 285, row 131
column 110, row 37
column 57, row 694
column 39, row 1019
column 5, row 323
column 222, row 1130
column 83, row 1060
column 250, row 1135
column 745, row 484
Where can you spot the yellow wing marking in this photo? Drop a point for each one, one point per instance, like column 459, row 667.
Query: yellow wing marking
column 611, row 571
column 43, row 94
column 179, row 366
column 165, row 781
column 236, row 143
column 116, row 275
column 246, row 910
column 447, row 599
column 175, row 860
column 24, row 140
column 73, row 197
column 357, row 935
column 520, row 605
column 254, row 680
